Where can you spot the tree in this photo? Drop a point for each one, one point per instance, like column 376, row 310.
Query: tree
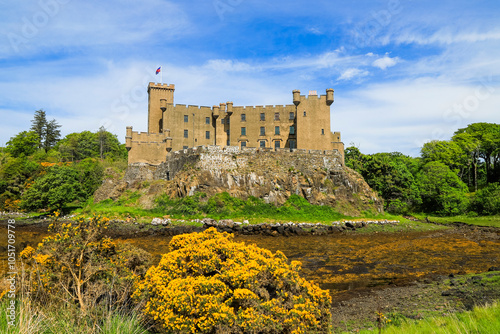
column 52, row 135
column 48, row 132
column 86, row 144
column 389, row 174
column 470, row 146
column 488, row 137
column 208, row 283
column 441, row 189
column 38, row 124
column 446, row 151
column 23, row 144
column 57, row 188
column 487, row 200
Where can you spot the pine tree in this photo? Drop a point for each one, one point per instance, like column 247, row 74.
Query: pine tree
column 52, row 135
column 38, row 125
column 48, row 132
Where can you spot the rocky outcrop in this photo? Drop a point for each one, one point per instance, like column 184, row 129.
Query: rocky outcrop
column 273, row 176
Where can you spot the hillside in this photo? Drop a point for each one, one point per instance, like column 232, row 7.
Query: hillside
column 272, row 176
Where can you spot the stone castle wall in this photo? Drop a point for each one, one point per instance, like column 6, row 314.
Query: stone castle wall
column 230, row 158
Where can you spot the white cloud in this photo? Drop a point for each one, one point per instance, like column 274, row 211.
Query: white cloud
column 352, row 73
column 385, row 62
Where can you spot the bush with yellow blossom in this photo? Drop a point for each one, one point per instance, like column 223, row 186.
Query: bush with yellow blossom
column 208, row 283
column 79, row 265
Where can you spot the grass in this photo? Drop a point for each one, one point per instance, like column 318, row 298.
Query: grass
column 493, row 221
column 65, row 319
column 485, row 319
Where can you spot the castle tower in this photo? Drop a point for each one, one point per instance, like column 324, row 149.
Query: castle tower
column 313, row 122
column 160, row 96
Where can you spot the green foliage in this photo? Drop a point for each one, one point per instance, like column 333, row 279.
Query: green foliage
column 59, row 186
column 223, row 205
column 86, row 144
column 484, row 319
column 48, row 131
column 487, row 200
column 484, row 139
column 389, row 174
column 23, row 144
column 91, row 174
column 448, row 152
column 442, row 190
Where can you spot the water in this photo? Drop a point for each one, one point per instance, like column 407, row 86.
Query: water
column 350, row 261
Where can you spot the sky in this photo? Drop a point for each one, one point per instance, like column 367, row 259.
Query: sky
column 404, row 71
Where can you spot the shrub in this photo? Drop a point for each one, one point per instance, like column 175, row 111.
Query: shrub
column 209, row 283
column 487, row 201
column 79, row 265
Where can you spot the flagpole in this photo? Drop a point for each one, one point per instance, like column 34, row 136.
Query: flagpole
column 161, row 75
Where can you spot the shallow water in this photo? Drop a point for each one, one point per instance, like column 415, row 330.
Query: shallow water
column 348, row 261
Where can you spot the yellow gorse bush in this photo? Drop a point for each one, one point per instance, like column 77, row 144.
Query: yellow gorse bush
column 209, row 283
column 78, row 264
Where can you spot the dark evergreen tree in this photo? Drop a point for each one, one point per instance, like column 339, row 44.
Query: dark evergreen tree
column 48, row 132
column 52, row 135
column 38, row 125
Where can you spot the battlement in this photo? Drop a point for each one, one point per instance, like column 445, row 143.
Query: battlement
column 145, row 137
column 153, row 85
column 191, row 108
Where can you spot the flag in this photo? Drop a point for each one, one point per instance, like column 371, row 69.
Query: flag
column 158, row 70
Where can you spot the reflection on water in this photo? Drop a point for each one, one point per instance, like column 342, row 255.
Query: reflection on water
column 351, row 261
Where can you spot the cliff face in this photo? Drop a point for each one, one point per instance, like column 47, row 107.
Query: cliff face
column 317, row 176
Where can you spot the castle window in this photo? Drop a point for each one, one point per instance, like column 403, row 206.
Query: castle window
column 262, row 143
column 227, row 122
column 292, row 115
column 184, row 147
column 243, row 131
column 293, row 144
column 185, row 133
column 304, row 113
column 185, row 118
column 227, row 143
column 292, row 130
column 277, row 144
column 243, row 144
column 322, row 131
column 262, row 116
column 276, row 116
column 276, row 130
column 207, row 120
column 207, row 134
column 243, row 117
column 262, row 131
column 222, row 121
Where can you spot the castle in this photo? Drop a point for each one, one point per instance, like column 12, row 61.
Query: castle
column 303, row 125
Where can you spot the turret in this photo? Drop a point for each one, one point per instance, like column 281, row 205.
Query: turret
column 128, row 138
column 215, row 112
column 163, row 104
column 329, row 96
column 296, row 97
column 229, row 108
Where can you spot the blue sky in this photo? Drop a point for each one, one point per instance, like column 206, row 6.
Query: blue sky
column 404, row 71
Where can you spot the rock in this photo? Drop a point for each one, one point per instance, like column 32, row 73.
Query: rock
column 156, row 221
column 494, row 269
